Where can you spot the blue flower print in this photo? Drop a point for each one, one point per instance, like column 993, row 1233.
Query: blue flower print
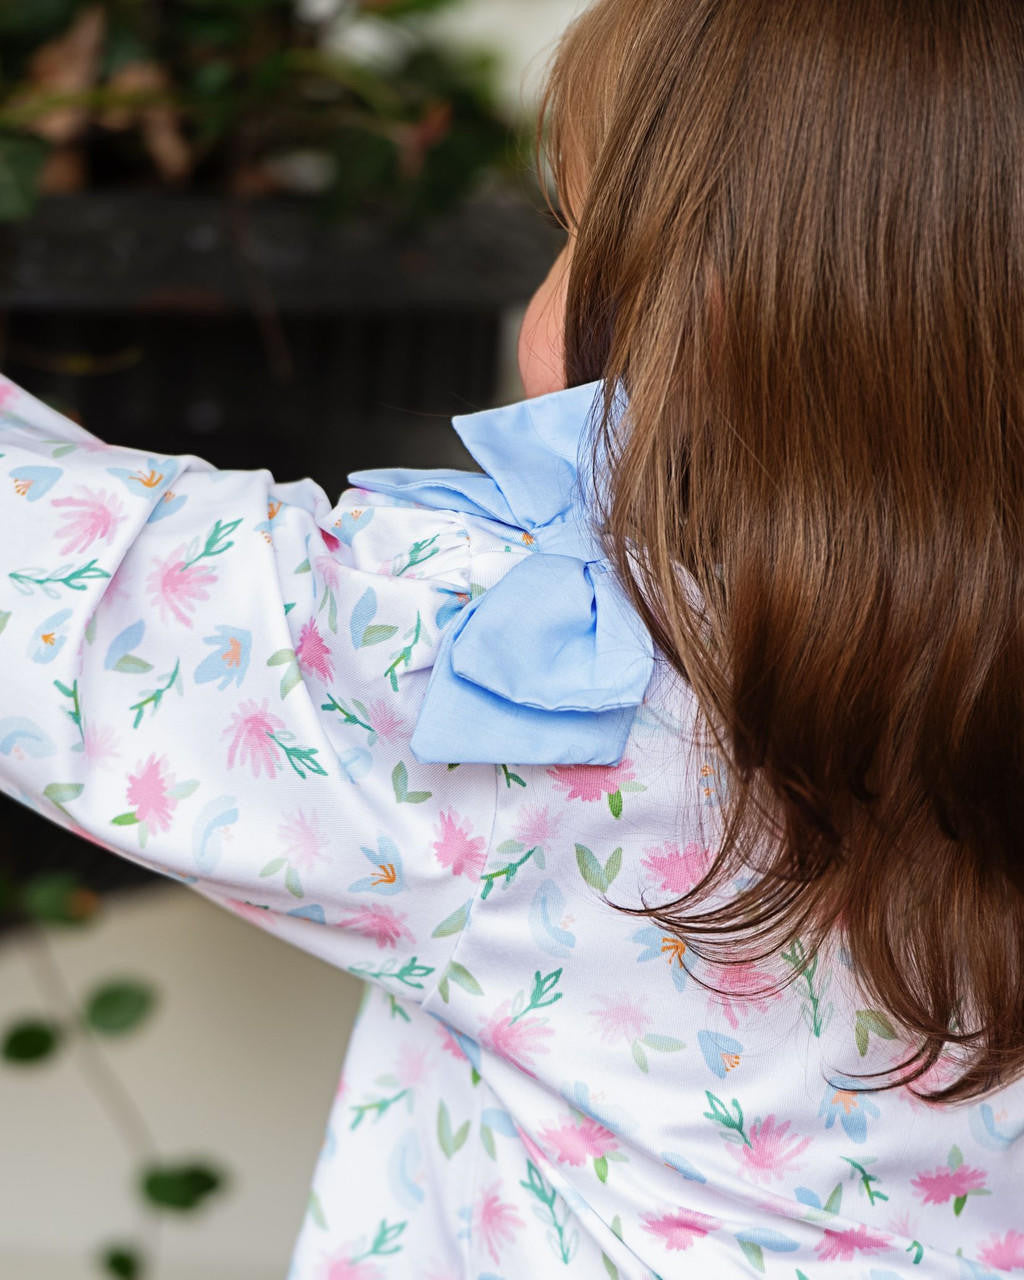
column 208, row 832
column 158, row 474
column 350, row 524
column 49, row 637
column 683, row 1166
column 721, row 1053
column 657, row 945
column 24, row 736
column 387, row 878
column 548, row 924
column 31, row 483
column 845, row 1099
column 169, row 505
column 987, row 1131
column 229, row 661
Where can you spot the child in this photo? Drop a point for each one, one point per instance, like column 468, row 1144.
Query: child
column 697, row 955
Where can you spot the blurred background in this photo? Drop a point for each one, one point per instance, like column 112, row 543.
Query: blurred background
column 293, row 234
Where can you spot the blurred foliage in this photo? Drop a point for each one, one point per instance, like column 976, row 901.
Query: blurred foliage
column 113, row 1008
column 358, row 105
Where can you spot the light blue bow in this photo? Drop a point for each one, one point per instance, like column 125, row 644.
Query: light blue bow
column 550, row 665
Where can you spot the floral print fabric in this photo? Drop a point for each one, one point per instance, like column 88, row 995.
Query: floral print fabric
column 218, row 676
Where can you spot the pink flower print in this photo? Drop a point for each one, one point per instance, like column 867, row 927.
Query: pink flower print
column 449, row 1044
column 516, row 1039
column 842, row 1245
column 387, row 723
column 1006, row 1254
column 740, row 989
column 100, row 744
column 175, row 587
column 313, row 654
column 349, row 1269
column 304, row 843
column 496, row 1221
column 577, row 1143
column 456, row 849
column 8, row 392
column 149, row 789
column 622, row 1017
column 385, row 926
column 251, row 727
column 948, row 1184
column 412, row 1065
column 536, row 827
column 673, row 871
column 590, row 781
column 91, row 516
column 680, row 1228
column 773, row 1151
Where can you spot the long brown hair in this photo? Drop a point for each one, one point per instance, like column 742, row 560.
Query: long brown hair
column 799, row 246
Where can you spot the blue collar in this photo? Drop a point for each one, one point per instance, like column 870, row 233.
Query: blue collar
column 550, row 665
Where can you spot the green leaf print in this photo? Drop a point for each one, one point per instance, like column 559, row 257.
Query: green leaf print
column 156, row 696
column 835, row 1201
column 548, row 1197
column 610, row 1267
column 272, row 867
column 461, row 975
column 958, row 1205
column 639, row 1057
column 292, row 882
column 955, row 1158
column 601, row 1168
column 125, row 820
column 400, row 783
column 729, row 1119
column 506, row 873
column 60, row 793
column 4, row 619
column 543, row 993
column 870, row 1022
column 130, row 665
column 450, row 1142
column 615, row 804
column 866, row 1181
column 384, row 1243
column 292, row 676
column 598, row 877
column 27, row 580
column 316, row 1211
column 455, row 923
column 663, row 1044
column 487, row 1138
column 753, row 1253
column 404, row 658
column 377, row 634
column 217, row 542
column 512, row 778
column 300, row 758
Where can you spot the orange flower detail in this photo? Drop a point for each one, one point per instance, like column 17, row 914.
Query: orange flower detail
column 731, row 1061
column 232, row 655
column 47, row 637
column 528, row 539
column 272, row 509
column 149, row 478
column 387, row 874
column 21, row 487
column 845, row 1099
column 674, row 948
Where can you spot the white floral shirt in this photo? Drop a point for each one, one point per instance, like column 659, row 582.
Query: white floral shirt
column 219, row 676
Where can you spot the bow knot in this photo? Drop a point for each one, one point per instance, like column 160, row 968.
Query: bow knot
column 550, row 665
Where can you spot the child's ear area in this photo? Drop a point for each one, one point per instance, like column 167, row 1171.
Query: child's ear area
column 542, row 337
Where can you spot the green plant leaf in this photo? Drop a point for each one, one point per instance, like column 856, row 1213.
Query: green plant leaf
column 291, row 679
column 180, row 1188
column 417, row 797
column 615, row 804
column 118, row 1007
column 663, row 1044
column 835, row 1201
column 612, row 868
column 753, row 1253
column 610, row 1267
column 125, row 820
column 292, row 883
column 281, row 658
column 316, row 1211
column 272, row 867
column 22, row 157
column 639, row 1057
column 30, row 1041
column 124, row 1261
column 487, row 1138
column 956, row 1157
column 958, row 1205
column 4, row 619
column 601, row 1168
column 58, row 897
column 400, row 781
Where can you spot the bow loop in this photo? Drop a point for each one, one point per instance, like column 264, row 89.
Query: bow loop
column 550, row 665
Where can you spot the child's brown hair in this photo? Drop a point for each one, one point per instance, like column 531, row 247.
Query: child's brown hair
column 799, row 246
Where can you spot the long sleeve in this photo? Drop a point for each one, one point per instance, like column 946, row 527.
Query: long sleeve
column 218, row 676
